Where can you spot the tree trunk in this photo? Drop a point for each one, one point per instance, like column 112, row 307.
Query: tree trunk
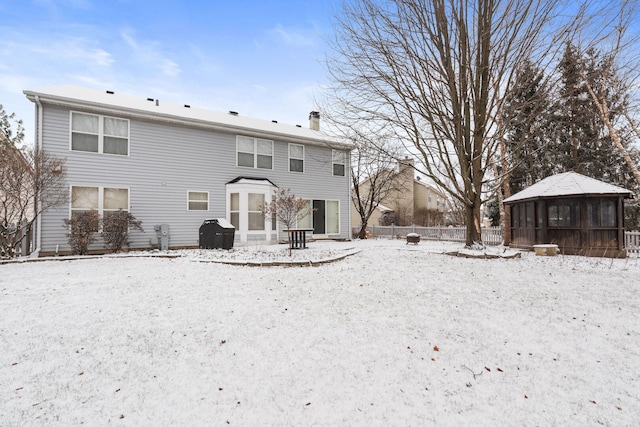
column 473, row 221
column 505, row 211
column 363, row 231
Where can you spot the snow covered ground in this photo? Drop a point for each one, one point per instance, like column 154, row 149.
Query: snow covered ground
column 393, row 334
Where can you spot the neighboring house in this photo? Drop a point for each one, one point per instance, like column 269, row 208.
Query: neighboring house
column 410, row 198
column 16, row 204
column 177, row 165
column 376, row 216
column 582, row 215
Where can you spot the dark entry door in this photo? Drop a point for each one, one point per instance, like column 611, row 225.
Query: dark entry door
column 319, row 217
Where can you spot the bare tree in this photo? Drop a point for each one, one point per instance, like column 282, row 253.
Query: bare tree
column 31, row 182
column 433, row 73
column 617, row 72
column 286, row 208
column 376, row 179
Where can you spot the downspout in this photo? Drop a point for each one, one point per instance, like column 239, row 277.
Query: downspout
column 349, row 201
column 38, row 143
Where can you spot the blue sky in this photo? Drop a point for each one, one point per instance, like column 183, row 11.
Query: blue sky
column 262, row 58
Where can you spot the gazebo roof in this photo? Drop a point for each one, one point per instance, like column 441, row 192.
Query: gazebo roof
column 567, row 184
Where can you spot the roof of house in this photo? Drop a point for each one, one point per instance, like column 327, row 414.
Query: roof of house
column 567, row 184
column 113, row 102
column 431, row 187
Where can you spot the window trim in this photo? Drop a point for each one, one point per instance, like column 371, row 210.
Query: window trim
column 101, row 135
column 256, row 212
column 255, row 152
column 333, row 162
column 326, row 219
column 296, row 158
column 189, row 200
column 100, row 208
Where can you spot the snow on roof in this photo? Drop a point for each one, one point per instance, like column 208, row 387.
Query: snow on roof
column 567, row 184
column 383, row 208
column 69, row 95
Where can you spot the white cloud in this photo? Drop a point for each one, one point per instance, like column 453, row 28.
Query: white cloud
column 293, row 37
column 149, row 53
column 24, row 50
column 170, row 68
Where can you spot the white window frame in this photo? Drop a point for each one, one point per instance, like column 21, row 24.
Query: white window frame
column 334, row 154
column 326, row 219
column 189, row 200
column 302, row 224
column 255, row 152
column 235, row 211
column 243, row 188
column 100, row 208
column 256, row 212
column 296, row 158
column 101, row 135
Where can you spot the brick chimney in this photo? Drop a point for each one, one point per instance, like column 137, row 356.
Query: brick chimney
column 314, row 120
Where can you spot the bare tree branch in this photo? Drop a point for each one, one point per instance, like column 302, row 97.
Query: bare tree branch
column 431, row 74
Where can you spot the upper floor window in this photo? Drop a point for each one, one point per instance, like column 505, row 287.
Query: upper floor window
column 254, row 152
column 296, row 158
column 198, row 200
column 339, row 161
column 99, row 134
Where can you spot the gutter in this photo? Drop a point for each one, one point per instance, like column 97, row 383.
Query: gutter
column 171, row 118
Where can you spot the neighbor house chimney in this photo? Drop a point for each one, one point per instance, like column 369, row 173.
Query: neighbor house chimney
column 405, row 165
column 314, row 120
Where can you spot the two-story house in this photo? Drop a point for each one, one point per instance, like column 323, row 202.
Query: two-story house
column 410, row 199
column 178, row 166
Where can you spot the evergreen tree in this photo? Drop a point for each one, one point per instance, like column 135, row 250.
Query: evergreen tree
column 528, row 129
column 582, row 138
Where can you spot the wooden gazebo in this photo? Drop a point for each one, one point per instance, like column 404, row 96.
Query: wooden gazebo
column 582, row 215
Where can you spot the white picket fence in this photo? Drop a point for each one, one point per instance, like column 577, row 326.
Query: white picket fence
column 632, row 242
column 490, row 235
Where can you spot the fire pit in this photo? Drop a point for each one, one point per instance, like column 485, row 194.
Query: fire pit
column 413, row 238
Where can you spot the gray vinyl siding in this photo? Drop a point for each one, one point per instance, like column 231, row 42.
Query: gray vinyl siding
column 165, row 162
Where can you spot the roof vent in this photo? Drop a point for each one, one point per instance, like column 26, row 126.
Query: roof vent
column 274, row 121
column 150, row 99
column 187, row 106
column 110, row 92
column 233, row 113
column 298, row 126
column 157, row 102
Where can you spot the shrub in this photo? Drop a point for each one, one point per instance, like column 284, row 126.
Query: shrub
column 115, row 229
column 82, row 229
column 389, row 218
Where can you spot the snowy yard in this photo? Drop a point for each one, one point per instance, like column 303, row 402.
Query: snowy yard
column 394, row 334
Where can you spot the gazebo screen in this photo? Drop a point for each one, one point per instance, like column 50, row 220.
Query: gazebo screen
column 563, row 213
column 577, row 225
column 602, row 213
